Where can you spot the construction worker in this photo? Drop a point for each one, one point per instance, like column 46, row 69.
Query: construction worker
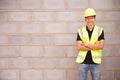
column 90, row 42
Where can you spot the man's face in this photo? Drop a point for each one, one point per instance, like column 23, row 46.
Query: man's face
column 90, row 20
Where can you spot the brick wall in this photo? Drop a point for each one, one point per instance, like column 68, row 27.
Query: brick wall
column 38, row 38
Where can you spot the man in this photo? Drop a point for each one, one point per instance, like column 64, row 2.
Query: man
column 90, row 42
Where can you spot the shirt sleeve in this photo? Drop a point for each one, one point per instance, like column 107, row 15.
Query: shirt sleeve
column 101, row 37
column 78, row 37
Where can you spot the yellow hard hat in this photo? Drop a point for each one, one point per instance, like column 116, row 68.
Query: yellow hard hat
column 89, row 12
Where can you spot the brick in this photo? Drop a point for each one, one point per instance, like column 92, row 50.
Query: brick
column 55, row 51
column 31, row 4
column 8, row 4
column 112, row 15
column 66, row 63
column 9, row 51
column 9, row 28
column 19, row 16
column 20, row 63
column 73, row 75
column 117, row 3
column 89, row 76
column 102, row 4
column 99, row 15
column 112, row 39
column 3, row 63
column 3, row 39
column 108, row 50
column 18, row 39
column 66, row 16
column 42, row 39
column 31, row 75
column 117, row 50
column 54, row 4
column 65, row 39
column 72, row 51
column 31, row 28
column 73, row 27
column 81, row 15
column 43, row 16
column 31, row 51
column 108, row 27
column 44, row 63
column 77, row 4
column 9, row 75
column 55, row 28
column 106, row 74
column 55, row 75
column 117, row 75
column 117, row 27
column 3, row 16
column 111, row 63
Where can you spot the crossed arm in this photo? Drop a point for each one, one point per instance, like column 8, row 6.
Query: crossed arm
column 86, row 47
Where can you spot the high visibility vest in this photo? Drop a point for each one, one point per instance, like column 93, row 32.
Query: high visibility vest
column 96, row 54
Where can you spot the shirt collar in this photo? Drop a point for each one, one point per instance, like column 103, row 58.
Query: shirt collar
column 88, row 29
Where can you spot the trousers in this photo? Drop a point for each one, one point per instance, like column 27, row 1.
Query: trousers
column 94, row 69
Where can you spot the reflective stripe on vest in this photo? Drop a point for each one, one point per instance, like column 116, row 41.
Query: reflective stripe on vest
column 96, row 54
column 95, row 57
